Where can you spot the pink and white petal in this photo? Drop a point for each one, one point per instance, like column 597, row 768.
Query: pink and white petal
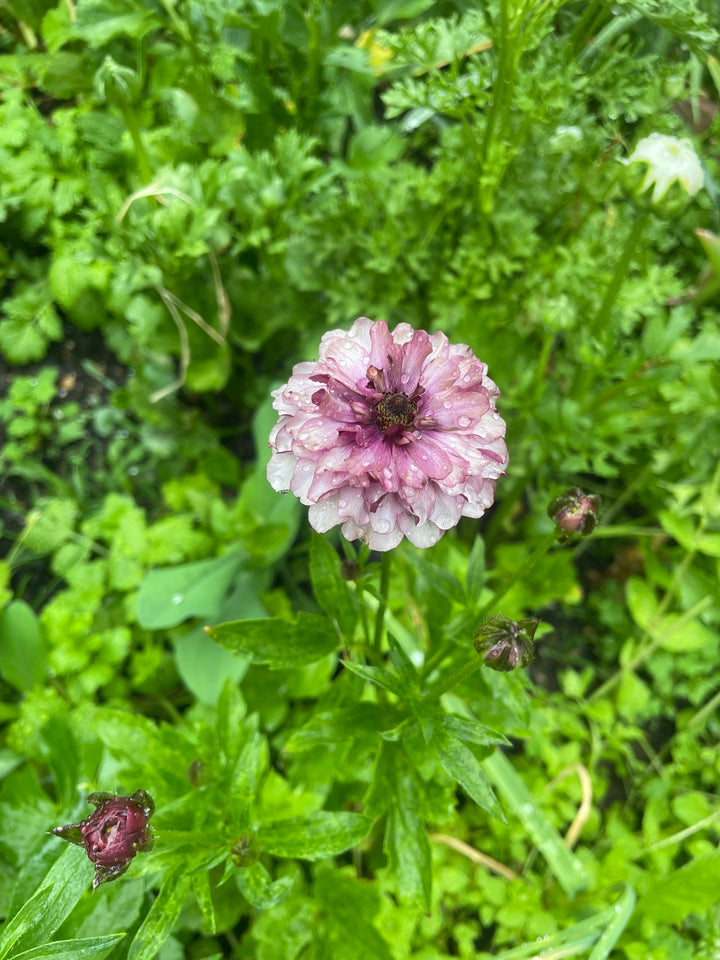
column 323, row 516
column 422, row 535
column 317, row 434
column 430, row 457
column 280, row 471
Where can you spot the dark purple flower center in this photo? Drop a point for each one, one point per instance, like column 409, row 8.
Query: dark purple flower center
column 395, row 410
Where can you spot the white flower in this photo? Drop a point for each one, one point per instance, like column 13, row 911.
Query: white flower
column 668, row 160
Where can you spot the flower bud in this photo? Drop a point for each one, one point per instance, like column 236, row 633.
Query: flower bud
column 667, row 166
column 350, row 570
column 575, row 513
column 506, row 644
column 245, row 851
column 112, row 835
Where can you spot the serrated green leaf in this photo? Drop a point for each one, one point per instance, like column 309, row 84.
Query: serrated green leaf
column 277, row 642
column 406, row 843
column 331, row 591
column 72, row 949
column 162, row 916
column 462, row 765
column 316, row 835
column 50, row 905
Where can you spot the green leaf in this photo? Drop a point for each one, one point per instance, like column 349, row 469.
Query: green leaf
column 72, row 949
column 331, row 591
column 162, row 916
column 622, row 911
column 23, row 659
column 98, row 21
column 674, row 633
column 203, row 896
column 50, row 905
column 316, row 835
column 566, row 867
column 690, row 889
column 167, row 597
column 642, row 602
column 406, row 843
column 277, row 642
column 462, row 765
column 475, row 577
column 260, row 890
column 204, row 666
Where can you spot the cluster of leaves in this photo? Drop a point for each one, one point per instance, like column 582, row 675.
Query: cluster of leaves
column 199, row 189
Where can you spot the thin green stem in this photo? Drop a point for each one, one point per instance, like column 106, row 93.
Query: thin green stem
column 598, row 325
column 143, row 161
column 703, row 712
column 385, row 567
column 467, row 670
column 539, row 552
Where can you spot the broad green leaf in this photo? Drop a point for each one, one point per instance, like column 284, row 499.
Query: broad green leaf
column 277, row 642
column 678, row 636
column 260, row 890
column 330, row 589
column 406, row 843
column 462, row 765
column 169, row 596
column 349, row 906
column 162, row 916
column 23, row 660
column 204, row 666
column 51, row 903
column 690, row 889
column 316, row 835
column 203, row 896
column 566, row 867
column 641, row 601
column 681, row 529
column 72, row 949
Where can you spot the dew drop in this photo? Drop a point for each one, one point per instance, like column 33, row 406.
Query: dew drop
column 383, row 526
column 133, row 471
column 447, row 405
column 33, row 382
column 342, row 503
column 464, row 421
column 177, row 598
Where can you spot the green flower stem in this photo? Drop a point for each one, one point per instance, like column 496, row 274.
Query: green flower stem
column 467, row 670
column 598, row 326
column 143, row 161
column 539, row 552
column 385, row 566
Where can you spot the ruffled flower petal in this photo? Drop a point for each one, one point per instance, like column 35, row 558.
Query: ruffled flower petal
column 391, row 435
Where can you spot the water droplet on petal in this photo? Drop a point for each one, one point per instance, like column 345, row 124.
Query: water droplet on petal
column 464, row 421
column 177, row 598
column 383, row 526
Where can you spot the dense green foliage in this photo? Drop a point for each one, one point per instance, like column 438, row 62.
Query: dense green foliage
column 191, row 192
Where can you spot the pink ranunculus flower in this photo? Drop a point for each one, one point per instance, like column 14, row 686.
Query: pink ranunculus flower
column 389, row 434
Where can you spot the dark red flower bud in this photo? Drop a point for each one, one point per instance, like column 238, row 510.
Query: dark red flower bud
column 575, row 513
column 112, row 835
column 506, row 644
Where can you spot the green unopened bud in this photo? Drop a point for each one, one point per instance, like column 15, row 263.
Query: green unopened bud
column 506, row 644
column 350, row 570
column 662, row 174
column 245, row 851
column 575, row 513
column 118, row 85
